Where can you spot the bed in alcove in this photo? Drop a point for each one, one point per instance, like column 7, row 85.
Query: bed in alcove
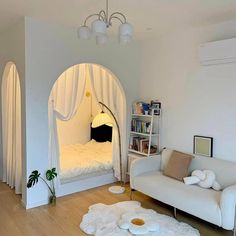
column 85, row 157
column 80, row 161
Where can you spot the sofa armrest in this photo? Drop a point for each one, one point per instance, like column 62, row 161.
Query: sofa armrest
column 228, row 207
column 143, row 165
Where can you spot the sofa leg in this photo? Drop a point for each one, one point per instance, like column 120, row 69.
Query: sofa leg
column 131, row 193
column 175, row 213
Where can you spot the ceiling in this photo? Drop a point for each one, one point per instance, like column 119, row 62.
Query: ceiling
column 149, row 17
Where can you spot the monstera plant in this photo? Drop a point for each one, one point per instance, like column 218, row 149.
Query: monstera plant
column 50, row 175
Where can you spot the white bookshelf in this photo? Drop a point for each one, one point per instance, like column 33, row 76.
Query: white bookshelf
column 152, row 136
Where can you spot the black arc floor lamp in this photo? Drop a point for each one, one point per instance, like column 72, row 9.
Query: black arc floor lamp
column 104, row 119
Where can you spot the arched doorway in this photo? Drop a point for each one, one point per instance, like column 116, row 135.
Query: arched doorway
column 68, row 95
column 11, row 128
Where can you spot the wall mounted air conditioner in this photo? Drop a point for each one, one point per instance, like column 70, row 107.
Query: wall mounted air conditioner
column 218, row 52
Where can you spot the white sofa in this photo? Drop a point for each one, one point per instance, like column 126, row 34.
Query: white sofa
column 217, row 207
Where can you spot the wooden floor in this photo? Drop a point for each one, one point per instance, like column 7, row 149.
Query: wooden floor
column 64, row 218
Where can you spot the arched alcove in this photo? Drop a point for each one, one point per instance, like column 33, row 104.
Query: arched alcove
column 11, row 128
column 67, row 105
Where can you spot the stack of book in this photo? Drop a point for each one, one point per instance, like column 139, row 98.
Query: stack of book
column 140, row 126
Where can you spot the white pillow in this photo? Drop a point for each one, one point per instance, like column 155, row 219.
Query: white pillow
column 191, row 180
column 216, row 186
column 209, row 180
column 200, row 174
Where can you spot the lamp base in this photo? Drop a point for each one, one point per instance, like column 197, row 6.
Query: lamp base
column 116, row 189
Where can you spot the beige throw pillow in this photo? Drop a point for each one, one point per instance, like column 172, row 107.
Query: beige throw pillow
column 178, row 164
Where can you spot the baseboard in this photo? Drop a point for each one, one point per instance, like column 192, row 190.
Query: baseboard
column 36, row 204
column 23, row 203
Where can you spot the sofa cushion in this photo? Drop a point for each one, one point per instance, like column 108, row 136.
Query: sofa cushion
column 205, row 163
column 203, row 203
column 178, row 164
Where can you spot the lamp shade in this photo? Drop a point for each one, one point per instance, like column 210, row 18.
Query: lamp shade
column 84, row 32
column 101, row 119
column 98, row 27
column 125, row 33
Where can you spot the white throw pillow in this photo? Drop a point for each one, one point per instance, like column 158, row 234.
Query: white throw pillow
column 200, row 174
column 191, row 180
column 216, row 186
column 209, row 180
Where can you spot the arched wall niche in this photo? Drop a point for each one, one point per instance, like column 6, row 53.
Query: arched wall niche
column 123, row 108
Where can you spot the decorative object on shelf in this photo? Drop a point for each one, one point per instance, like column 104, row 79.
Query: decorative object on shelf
column 203, row 145
column 156, row 105
column 100, row 25
column 99, row 120
column 143, row 108
column 50, row 175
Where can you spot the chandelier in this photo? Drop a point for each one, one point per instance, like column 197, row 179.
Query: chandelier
column 100, row 25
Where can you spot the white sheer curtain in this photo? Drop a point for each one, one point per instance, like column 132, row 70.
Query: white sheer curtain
column 106, row 90
column 11, row 128
column 66, row 95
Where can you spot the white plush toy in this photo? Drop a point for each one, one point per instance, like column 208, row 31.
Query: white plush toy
column 205, row 179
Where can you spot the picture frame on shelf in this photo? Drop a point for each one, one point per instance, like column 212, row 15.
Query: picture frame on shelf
column 203, row 145
column 155, row 106
column 144, row 144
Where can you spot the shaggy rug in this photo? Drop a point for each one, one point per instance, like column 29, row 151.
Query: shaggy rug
column 102, row 220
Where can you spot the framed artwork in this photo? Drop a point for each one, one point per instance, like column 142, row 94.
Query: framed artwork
column 203, row 145
column 156, row 106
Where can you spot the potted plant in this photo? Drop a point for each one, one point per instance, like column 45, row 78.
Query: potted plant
column 50, row 175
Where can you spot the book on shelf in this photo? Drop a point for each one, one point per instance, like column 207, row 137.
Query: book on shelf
column 140, row 126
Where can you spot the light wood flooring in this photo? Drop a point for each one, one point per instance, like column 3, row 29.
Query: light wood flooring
column 64, row 218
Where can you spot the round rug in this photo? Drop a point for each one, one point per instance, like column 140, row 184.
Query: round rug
column 102, row 220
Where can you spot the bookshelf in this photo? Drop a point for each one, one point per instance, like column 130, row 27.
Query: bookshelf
column 145, row 133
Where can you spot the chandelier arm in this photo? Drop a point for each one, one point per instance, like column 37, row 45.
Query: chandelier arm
column 117, row 13
column 102, row 15
column 115, row 17
column 88, row 17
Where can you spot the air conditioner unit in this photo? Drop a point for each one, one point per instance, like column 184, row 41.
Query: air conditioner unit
column 218, row 52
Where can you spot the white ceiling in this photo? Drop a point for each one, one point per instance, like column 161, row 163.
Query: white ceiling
column 148, row 16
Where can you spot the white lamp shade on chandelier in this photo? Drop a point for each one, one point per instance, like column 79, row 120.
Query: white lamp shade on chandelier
column 101, row 119
column 84, row 32
column 125, row 33
column 102, row 23
column 98, row 27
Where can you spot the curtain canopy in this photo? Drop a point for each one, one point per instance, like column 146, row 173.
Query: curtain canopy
column 66, row 96
column 11, row 128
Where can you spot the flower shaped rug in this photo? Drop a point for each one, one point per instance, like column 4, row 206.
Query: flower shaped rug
column 129, row 218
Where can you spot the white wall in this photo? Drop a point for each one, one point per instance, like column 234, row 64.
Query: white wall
column 196, row 100
column 77, row 129
column 12, row 48
column 50, row 49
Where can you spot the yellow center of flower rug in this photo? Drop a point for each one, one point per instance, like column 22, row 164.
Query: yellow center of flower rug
column 137, row 221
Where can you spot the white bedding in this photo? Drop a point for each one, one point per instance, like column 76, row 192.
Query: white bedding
column 83, row 159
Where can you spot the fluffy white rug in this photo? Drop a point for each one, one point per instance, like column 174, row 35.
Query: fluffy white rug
column 101, row 220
